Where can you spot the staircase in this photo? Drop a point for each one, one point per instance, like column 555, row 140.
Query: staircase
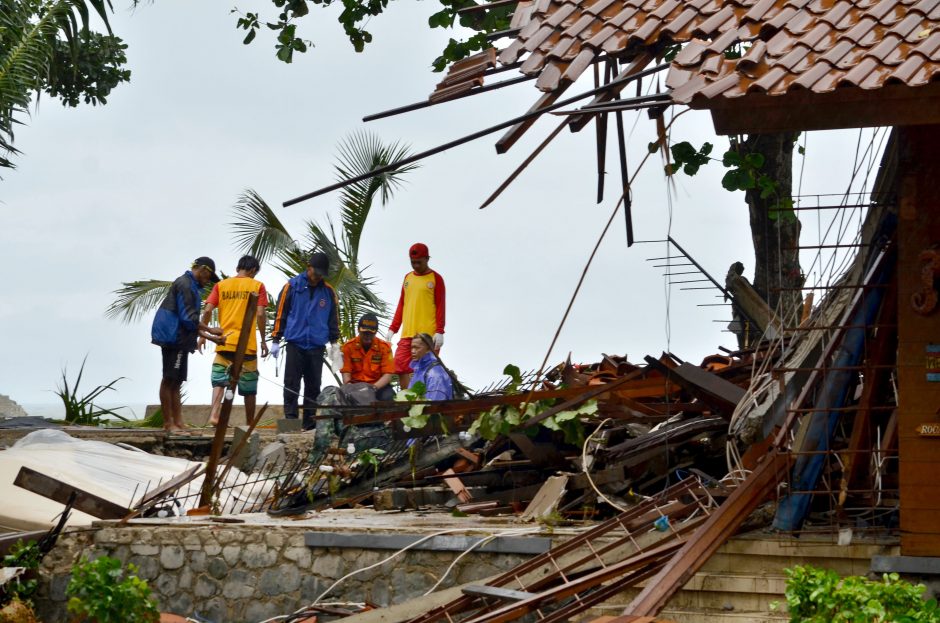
column 741, row 581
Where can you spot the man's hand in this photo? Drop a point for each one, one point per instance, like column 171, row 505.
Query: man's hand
column 275, row 349
column 200, row 344
column 264, row 348
column 438, row 341
column 220, row 339
column 390, row 336
column 215, row 331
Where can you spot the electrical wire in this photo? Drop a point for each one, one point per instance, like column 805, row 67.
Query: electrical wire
column 584, row 468
column 479, row 543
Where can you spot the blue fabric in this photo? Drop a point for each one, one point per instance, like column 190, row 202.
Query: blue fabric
column 311, row 317
column 437, row 382
column 176, row 322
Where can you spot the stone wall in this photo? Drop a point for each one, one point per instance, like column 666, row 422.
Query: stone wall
column 249, row 573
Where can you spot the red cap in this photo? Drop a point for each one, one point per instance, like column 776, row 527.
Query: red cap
column 418, row 249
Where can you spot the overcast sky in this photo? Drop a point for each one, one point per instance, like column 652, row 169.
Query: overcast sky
column 140, row 187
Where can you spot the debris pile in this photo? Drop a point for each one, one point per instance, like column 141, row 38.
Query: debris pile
column 581, row 443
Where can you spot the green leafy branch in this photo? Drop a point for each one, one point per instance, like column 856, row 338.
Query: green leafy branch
column 484, row 22
column 101, row 590
column 287, row 41
column 416, row 417
column 371, row 457
column 357, row 12
column 503, row 419
column 744, row 172
column 27, row 555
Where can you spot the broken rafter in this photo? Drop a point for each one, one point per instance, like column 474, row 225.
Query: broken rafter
column 531, row 115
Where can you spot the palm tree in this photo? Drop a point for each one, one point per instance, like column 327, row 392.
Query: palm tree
column 259, row 231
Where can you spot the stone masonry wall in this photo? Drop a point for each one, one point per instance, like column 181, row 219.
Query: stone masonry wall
column 246, row 574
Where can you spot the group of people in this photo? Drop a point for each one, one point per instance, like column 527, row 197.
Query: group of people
column 307, row 323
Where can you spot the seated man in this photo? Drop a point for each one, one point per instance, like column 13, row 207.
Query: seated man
column 429, row 370
column 368, row 359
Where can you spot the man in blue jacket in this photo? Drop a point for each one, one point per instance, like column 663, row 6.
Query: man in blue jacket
column 307, row 319
column 175, row 329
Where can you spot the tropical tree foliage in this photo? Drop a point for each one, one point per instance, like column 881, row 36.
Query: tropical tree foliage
column 259, row 231
column 48, row 46
column 357, row 13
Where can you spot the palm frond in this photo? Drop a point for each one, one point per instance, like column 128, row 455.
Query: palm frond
column 358, row 154
column 137, row 298
column 257, row 229
column 29, row 31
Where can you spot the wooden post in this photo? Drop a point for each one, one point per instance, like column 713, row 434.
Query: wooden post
column 248, row 327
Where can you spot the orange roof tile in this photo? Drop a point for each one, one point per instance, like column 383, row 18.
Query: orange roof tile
column 815, row 46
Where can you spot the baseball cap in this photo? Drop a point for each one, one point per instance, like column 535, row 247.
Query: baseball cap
column 418, row 249
column 208, row 263
column 369, row 323
column 320, row 263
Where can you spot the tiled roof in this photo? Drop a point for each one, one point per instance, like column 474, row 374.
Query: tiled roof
column 464, row 75
column 811, row 45
column 816, row 46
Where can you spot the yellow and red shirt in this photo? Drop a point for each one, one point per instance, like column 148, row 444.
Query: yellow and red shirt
column 230, row 296
column 421, row 305
column 367, row 366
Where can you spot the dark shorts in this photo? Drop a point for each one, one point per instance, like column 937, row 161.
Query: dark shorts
column 174, row 364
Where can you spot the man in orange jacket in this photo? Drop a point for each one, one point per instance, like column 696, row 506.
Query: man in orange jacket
column 368, row 359
column 420, row 310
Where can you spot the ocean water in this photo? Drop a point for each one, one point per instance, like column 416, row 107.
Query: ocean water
column 57, row 411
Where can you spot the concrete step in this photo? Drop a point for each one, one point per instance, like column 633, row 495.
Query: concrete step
column 699, row 615
column 682, row 615
column 745, row 578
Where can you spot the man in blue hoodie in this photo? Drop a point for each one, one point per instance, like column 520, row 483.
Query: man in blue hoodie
column 429, row 370
column 175, row 329
column 307, row 319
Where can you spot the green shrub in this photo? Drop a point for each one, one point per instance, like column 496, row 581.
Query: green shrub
column 101, row 591
column 82, row 409
column 22, row 588
column 821, row 596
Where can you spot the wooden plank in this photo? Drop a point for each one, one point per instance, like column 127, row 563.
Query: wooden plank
column 503, row 594
column 918, row 230
column 56, row 490
column 603, row 477
column 209, row 483
column 892, row 105
column 707, row 386
column 547, row 499
column 719, row 526
column 920, row 473
column 919, row 544
column 919, row 497
column 455, row 485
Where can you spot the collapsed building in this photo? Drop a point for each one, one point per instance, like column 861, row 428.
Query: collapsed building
column 819, row 427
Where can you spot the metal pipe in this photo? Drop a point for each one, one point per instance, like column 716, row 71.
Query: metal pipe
column 428, row 103
column 475, row 135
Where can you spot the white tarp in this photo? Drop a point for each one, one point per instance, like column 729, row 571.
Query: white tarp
column 104, row 469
